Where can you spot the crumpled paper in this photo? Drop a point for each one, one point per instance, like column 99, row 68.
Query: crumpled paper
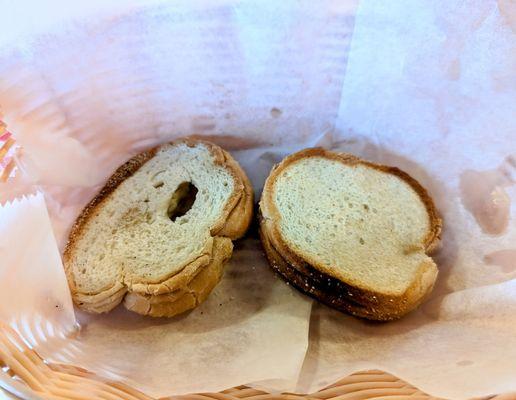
column 429, row 88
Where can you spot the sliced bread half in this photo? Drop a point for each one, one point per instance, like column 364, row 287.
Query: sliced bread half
column 351, row 233
column 151, row 229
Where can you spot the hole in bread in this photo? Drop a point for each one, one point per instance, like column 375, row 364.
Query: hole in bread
column 182, row 200
column 158, row 184
column 361, row 241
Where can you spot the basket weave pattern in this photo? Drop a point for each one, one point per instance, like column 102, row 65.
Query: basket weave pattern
column 7, row 149
column 63, row 382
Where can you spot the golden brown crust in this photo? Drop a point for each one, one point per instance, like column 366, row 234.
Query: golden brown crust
column 180, row 279
column 240, row 217
column 101, row 306
column 235, row 220
column 190, row 296
column 386, row 306
column 102, row 296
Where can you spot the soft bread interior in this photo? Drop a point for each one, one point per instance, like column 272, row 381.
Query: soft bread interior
column 358, row 224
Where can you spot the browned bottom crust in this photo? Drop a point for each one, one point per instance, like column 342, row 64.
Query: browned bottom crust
column 331, row 291
column 309, row 286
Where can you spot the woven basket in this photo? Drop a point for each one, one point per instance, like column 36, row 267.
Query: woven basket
column 7, row 149
column 26, row 374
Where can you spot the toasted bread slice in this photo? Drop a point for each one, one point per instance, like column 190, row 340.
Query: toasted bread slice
column 151, row 228
column 350, row 233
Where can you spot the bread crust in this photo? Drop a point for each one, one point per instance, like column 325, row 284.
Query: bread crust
column 101, row 306
column 240, row 217
column 335, row 293
column 189, row 296
column 233, row 223
column 305, row 284
column 346, row 296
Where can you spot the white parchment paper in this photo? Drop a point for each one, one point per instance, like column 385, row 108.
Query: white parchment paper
column 428, row 87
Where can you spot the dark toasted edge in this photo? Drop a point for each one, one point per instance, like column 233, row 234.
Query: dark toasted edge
column 335, row 293
column 131, row 166
column 308, row 286
column 389, row 307
column 271, row 214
